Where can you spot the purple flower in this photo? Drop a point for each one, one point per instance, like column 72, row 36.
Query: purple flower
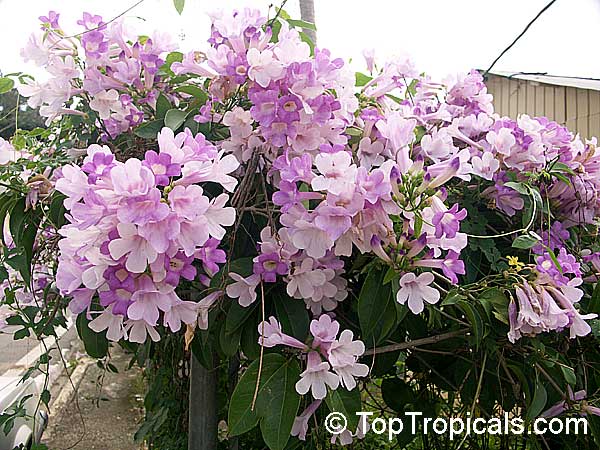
column 120, row 298
column 51, row 20
column 268, row 266
column 448, row 222
column 118, row 277
column 161, row 167
column 205, row 115
column 298, row 168
column 143, row 209
column 100, row 165
column 372, row 186
column 178, row 266
column 563, row 406
column 94, row 44
column 90, row 21
column 288, row 195
column 451, row 265
column 567, row 264
column 211, row 256
column 264, row 106
column 554, row 239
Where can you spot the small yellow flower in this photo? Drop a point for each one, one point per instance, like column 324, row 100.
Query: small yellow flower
column 513, row 261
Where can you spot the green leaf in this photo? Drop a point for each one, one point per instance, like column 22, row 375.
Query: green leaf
column 21, row 334
column 96, row 344
column 525, row 241
column 569, row 374
column 302, row 24
column 562, row 167
column 175, row 118
column 277, row 401
column 519, row 187
column 237, row 316
column 538, row 402
column 396, row 393
column 362, row 79
column 477, row 324
column 17, row 216
column 594, row 304
column 292, row 315
column 3, row 274
column 249, row 339
column 452, row 298
column 149, row 130
column 57, row 210
column 18, row 261
column 45, row 397
column 275, row 28
column 346, row 402
column 6, row 84
column 376, row 308
column 229, row 342
column 162, row 106
column 179, row 5
column 194, row 91
column 594, row 422
column 495, row 302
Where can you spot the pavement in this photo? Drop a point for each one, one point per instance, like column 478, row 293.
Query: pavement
column 90, row 409
column 103, row 414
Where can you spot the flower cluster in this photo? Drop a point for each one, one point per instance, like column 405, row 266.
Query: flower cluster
column 137, row 228
column 341, row 355
column 335, row 174
column 120, row 79
column 545, row 306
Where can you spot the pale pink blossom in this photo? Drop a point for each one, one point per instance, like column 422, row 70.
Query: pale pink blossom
column 300, row 427
column 270, row 335
column 104, row 102
column 338, row 174
column 244, row 289
column 485, row 166
column 502, row 141
column 304, row 279
column 416, row 290
column 324, row 331
column 218, row 216
column 263, row 67
column 113, row 324
column 139, row 251
column 317, row 377
column 149, row 299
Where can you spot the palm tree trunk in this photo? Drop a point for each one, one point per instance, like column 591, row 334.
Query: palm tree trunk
column 307, row 14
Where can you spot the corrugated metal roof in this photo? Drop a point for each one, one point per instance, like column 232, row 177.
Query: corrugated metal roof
column 576, row 82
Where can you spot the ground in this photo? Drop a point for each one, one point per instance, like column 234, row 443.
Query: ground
column 111, row 415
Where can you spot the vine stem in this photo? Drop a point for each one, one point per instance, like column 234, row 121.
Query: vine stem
column 262, row 347
column 416, row 342
column 551, row 380
column 508, row 233
column 477, row 393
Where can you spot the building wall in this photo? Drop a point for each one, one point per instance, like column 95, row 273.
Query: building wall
column 578, row 109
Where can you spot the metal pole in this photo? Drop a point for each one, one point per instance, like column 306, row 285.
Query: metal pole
column 202, row 433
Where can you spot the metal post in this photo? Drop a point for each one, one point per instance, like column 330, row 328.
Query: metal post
column 202, row 433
